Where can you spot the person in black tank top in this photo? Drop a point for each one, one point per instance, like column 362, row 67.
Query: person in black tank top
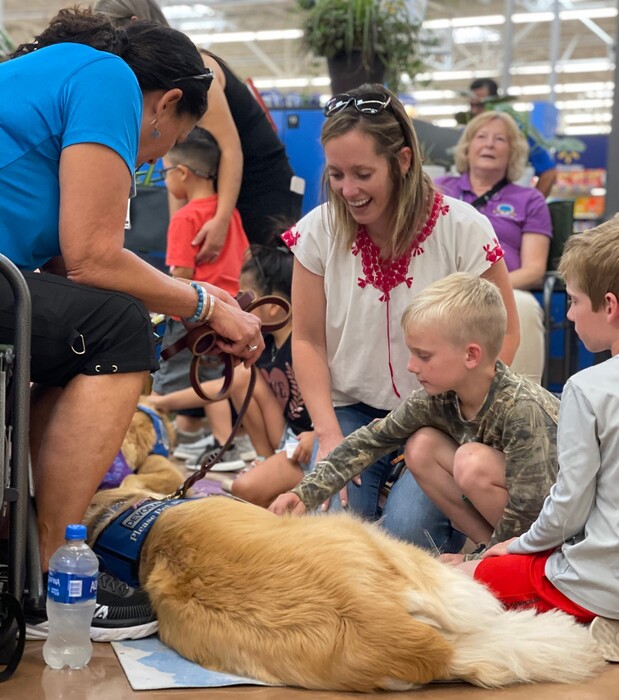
column 265, row 196
column 254, row 174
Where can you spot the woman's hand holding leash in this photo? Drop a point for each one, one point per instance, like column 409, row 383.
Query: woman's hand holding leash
column 239, row 330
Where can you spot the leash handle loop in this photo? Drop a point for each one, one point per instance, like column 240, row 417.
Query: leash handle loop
column 207, row 465
column 201, row 341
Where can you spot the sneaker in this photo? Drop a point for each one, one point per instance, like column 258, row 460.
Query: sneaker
column 192, row 450
column 605, row 633
column 185, row 436
column 231, row 460
column 121, row 612
column 246, row 449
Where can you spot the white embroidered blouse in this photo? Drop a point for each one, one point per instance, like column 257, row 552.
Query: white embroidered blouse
column 366, row 298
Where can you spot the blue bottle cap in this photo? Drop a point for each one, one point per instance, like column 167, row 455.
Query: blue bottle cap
column 75, row 532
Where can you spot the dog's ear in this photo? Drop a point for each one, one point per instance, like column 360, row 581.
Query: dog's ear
column 139, row 440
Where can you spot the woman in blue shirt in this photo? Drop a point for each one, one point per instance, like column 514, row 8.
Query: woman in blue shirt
column 91, row 102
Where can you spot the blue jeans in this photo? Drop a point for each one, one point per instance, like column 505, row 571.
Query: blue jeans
column 407, row 511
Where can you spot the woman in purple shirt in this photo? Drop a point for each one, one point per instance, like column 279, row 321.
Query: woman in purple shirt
column 491, row 155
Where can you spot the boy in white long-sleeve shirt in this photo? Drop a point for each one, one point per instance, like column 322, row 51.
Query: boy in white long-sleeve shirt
column 569, row 557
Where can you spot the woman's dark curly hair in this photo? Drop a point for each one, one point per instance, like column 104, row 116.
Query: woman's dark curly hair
column 162, row 58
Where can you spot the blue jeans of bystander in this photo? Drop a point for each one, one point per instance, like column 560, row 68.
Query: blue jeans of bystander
column 407, row 511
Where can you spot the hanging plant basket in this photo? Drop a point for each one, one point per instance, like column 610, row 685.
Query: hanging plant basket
column 366, row 28
column 348, row 71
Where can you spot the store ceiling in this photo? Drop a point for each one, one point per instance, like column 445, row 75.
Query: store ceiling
column 585, row 49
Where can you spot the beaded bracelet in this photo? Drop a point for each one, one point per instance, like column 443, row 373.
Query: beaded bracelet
column 197, row 316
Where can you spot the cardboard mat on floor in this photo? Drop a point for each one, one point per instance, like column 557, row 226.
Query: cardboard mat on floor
column 151, row 665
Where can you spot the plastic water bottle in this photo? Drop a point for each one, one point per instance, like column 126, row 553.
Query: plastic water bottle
column 71, row 595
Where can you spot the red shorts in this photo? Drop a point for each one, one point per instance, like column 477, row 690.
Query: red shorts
column 519, row 581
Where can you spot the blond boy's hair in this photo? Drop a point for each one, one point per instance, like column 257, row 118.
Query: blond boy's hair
column 590, row 262
column 465, row 307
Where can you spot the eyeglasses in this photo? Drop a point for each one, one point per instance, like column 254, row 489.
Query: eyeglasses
column 207, row 76
column 369, row 103
column 198, row 173
column 163, row 173
column 152, row 175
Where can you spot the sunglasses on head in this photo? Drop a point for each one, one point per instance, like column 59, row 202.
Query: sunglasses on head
column 206, row 77
column 368, row 103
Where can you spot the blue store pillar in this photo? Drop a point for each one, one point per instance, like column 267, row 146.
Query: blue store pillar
column 544, row 117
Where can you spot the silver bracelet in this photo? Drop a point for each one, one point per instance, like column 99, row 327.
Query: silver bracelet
column 209, row 308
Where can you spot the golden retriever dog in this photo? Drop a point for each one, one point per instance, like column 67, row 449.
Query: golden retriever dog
column 331, row 603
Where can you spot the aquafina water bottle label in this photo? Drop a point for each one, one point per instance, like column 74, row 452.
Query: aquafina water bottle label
column 71, row 588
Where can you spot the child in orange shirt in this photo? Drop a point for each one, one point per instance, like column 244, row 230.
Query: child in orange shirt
column 190, row 172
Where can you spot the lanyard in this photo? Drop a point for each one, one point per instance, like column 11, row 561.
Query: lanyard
column 485, row 198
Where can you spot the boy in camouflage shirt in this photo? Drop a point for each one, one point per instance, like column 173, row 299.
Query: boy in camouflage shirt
column 480, row 440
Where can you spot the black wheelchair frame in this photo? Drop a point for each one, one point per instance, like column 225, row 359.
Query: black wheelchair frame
column 24, row 579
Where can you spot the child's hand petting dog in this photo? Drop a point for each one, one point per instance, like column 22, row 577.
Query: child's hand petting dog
column 499, row 549
column 303, row 453
column 288, row 503
column 452, row 559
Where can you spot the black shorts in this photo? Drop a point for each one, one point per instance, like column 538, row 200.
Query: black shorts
column 77, row 329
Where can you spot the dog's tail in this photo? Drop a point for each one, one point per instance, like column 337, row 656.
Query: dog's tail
column 521, row 646
column 495, row 647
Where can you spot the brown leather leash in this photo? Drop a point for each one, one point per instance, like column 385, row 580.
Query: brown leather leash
column 201, row 341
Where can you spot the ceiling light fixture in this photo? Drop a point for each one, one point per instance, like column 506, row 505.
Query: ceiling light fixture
column 521, row 18
column 588, row 130
column 245, row 37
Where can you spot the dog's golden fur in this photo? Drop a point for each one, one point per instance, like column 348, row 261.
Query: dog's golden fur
column 328, row 602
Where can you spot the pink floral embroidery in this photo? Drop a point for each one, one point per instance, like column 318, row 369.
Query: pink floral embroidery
column 385, row 275
column 291, row 237
column 439, row 208
column 493, row 253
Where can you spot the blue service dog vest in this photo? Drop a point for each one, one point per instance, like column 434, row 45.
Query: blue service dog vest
column 162, row 443
column 120, row 544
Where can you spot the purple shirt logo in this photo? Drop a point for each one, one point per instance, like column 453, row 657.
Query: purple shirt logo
column 505, row 209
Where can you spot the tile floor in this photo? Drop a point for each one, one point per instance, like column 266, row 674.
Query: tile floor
column 103, row 679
